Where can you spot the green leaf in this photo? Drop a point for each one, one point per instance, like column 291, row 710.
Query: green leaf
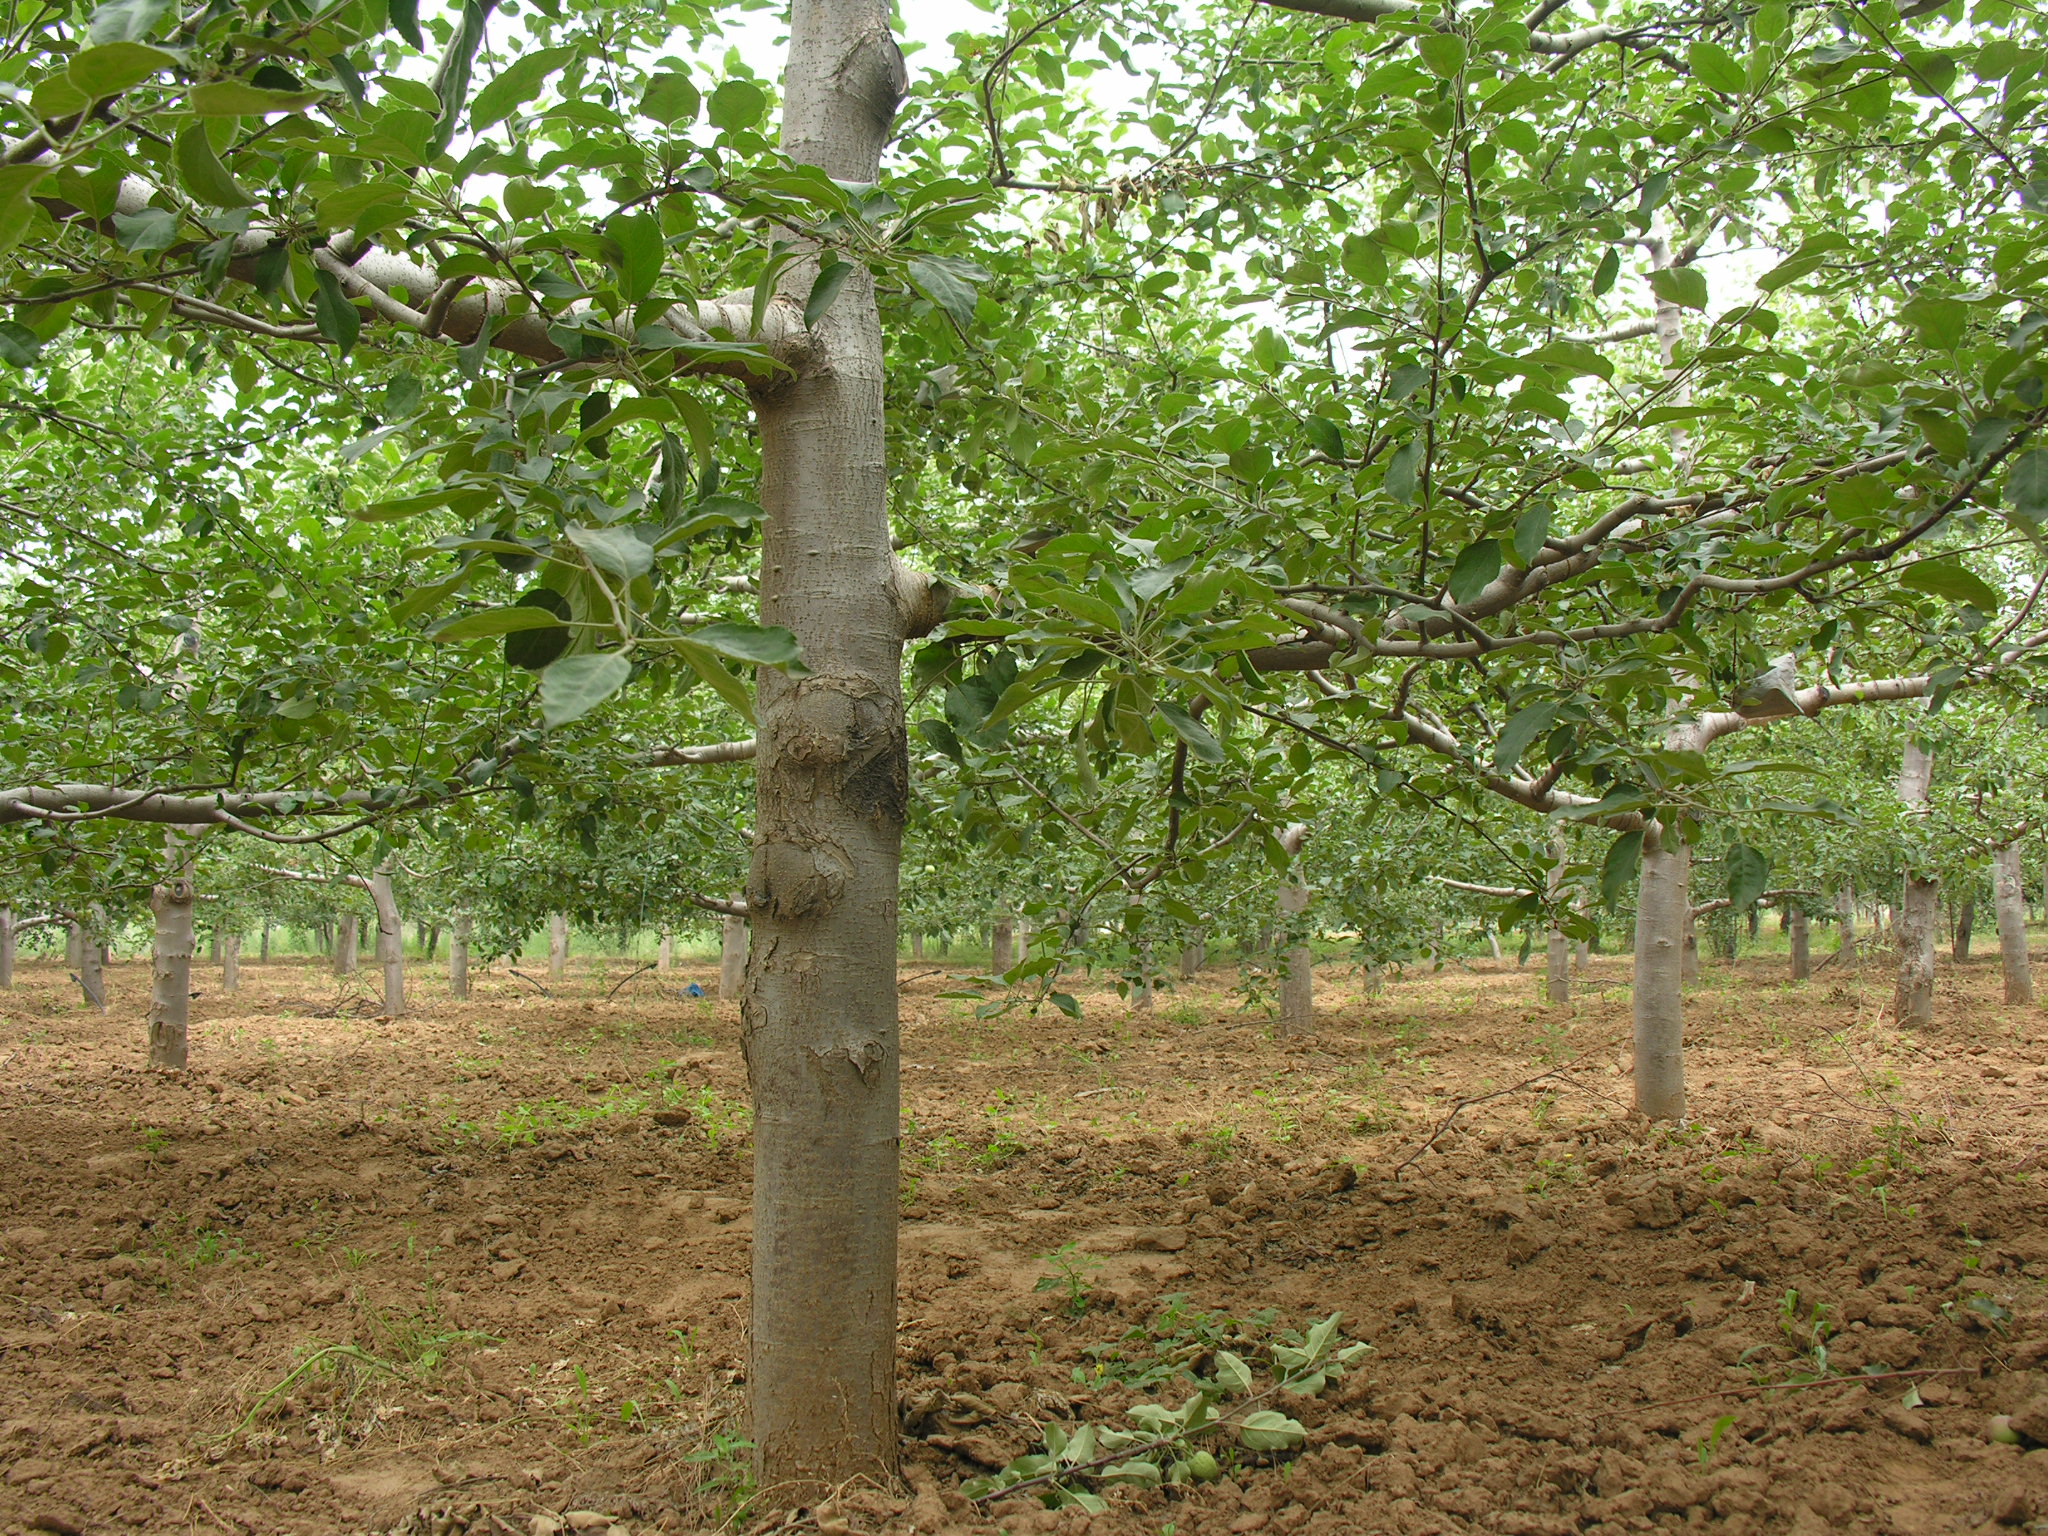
column 1476, row 565
column 940, row 281
column 642, row 248
column 405, row 20
column 126, row 21
column 1192, row 731
column 832, row 276
column 2026, row 487
column 572, row 687
column 1443, row 53
column 1683, row 286
column 616, row 551
column 1618, row 869
column 150, row 229
column 515, row 87
column 532, row 650
column 238, row 98
column 1268, row 1430
column 1716, row 68
column 339, row 321
column 669, row 100
column 1521, row 730
column 19, row 345
column 1232, row 1372
column 1531, row 529
column 1950, row 579
column 1325, row 437
column 494, row 621
column 769, row 644
column 704, row 661
column 1402, row 470
column 737, row 104
column 110, row 68
column 17, row 184
column 1605, row 274
column 200, row 169
column 1940, row 323
column 1749, row 872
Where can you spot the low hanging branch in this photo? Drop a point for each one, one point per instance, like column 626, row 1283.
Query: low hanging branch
column 714, row 904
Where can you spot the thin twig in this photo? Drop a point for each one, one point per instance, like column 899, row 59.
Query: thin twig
column 641, row 972
column 1462, row 1105
column 543, row 991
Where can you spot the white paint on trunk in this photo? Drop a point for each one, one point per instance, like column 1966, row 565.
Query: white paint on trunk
column 558, row 945
column 665, row 956
column 1919, row 901
column 2009, row 900
column 1663, row 906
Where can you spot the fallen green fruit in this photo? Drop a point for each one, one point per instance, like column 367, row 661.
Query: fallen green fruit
column 1204, row 1468
column 2001, row 1432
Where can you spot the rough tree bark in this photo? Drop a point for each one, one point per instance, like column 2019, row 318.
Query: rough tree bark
column 92, row 980
column 458, row 955
column 831, row 788
column 1002, row 945
column 732, row 954
column 1689, row 958
column 1913, row 1003
column 345, row 945
column 2009, row 901
column 170, row 973
column 1663, row 910
column 231, row 961
column 74, row 946
column 1297, row 966
column 1798, row 936
column 1966, row 926
column 390, row 943
column 6, row 946
column 558, row 945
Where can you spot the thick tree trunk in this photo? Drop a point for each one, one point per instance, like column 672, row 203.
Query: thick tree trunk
column 1799, row 938
column 74, row 947
column 458, row 955
column 1191, row 960
column 732, row 955
column 1297, row 973
column 665, row 957
column 558, row 945
column 1002, row 945
column 390, row 943
column 345, row 946
column 1689, row 960
column 1913, row 1002
column 1966, row 923
column 6, row 946
column 2009, row 903
column 170, row 976
column 831, row 790
column 1663, row 910
column 231, row 961
column 92, row 954
column 1557, row 976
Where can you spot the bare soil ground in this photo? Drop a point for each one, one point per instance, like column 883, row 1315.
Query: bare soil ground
column 484, row 1269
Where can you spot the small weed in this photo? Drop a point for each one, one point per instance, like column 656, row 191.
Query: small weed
column 1070, row 1271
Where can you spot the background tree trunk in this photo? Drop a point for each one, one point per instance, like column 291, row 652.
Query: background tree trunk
column 1966, row 923
column 1191, row 960
column 558, row 945
column 1797, row 935
column 263, row 947
column 432, row 942
column 665, row 957
column 458, row 955
column 170, row 976
column 390, row 943
column 1663, row 909
column 6, row 946
column 1557, row 976
column 2009, row 905
column 1913, row 1002
column 92, row 954
column 1002, row 945
column 732, row 955
column 74, row 947
column 231, row 961
column 213, row 945
column 1845, row 904
column 1297, row 965
column 345, row 945
column 917, row 946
